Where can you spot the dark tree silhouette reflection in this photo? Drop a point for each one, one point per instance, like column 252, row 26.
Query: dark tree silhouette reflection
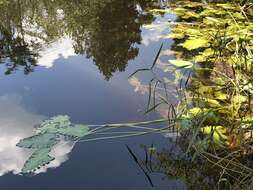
column 107, row 31
column 112, row 37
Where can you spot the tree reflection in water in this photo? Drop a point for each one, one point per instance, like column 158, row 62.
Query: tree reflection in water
column 107, row 31
column 192, row 171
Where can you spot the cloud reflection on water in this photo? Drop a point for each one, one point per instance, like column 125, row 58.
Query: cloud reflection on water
column 61, row 48
column 16, row 123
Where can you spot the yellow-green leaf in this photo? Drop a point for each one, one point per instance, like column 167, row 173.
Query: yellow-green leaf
column 181, row 63
column 217, row 133
column 192, row 44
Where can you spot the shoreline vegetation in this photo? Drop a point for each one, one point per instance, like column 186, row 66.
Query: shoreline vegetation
column 213, row 45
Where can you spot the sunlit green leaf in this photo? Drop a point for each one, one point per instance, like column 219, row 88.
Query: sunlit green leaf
column 181, row 63
column 228, row 5
column 176, row 35
column 217, row 133
column 205, row 56
column 192, row 44
column 159, row 11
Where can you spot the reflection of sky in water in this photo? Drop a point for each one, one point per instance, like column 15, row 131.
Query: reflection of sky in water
column 17, row 120
column 74, row 86
column 61, row 48
column 17, row 123
column 156, row 31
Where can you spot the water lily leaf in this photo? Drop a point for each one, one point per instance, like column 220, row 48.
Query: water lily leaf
column 160, row 11
column 48, row 135
column 195, row 111
column 51, row 125
column 209, row 115
column 176, row 35
column 193, row 32
column 237, row 100
column 205, row 56
column 61, row 124
column 211, row 11
column 42, row 140
column 39, row 158
column 181, row 63
column 238, row 15
column 185, row 13
column 77, row 131
column 229, row 6
column 180, row 11
column 220, row 95
column 212, row 102
column 205, row 90
column 193, row 4
column 212, row 21
column 217, row 133
column 192, row 44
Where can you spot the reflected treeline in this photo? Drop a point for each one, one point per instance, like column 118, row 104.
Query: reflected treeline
column 105, row 30
column 190, row 170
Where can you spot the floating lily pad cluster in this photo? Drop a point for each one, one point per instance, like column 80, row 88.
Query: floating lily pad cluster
column 215, row 41
column 209, row 35
column 49, row 133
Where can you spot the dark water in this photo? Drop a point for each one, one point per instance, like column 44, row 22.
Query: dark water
column 74, row 58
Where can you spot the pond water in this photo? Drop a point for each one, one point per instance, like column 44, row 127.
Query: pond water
column 74, row 59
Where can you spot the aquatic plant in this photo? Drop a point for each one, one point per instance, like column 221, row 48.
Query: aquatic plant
column 48, row 134
column 217, row 38
column 53, row 130
column 213, row 60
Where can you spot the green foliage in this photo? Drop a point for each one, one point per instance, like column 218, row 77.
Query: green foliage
column 217, row 134
column 61, row 125
column 38, row 159
column 76, row 131
column 214, row 114
column 211, row 35
column 49, row 134
column 58, row 128
column 192, row 44
column 40, row 141
column 53, row 124
column 181, row 63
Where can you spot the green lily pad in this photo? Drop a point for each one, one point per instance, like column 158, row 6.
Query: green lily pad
column 181, row 63
column 77, row 131
column 39, row 158
column 192, row 44
column 48, row 135
column 42, row 140
column 62, row 125
column 52, row 124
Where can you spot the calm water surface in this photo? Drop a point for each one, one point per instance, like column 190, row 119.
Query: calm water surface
column 75, row 59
